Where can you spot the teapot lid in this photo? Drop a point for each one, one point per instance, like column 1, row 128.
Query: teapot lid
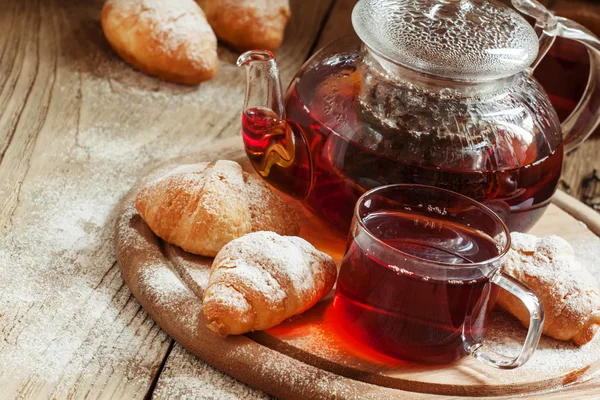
column 466, row 40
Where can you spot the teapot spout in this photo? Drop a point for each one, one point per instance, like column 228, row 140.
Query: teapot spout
column 263, row 86
column 277, row 152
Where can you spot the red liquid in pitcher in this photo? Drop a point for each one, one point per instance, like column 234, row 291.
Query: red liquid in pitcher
column 403, row 314
column 342, row 169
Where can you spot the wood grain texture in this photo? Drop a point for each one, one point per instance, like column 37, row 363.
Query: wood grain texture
column 40, row 103
column 338, row 24
column 311, row 340
column 580, row 168
column 184, row 376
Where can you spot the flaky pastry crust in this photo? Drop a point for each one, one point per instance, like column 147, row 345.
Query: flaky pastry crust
column 248, row 24
column 566, row 289
column 201, row 207
column 169, row 39
column 261, row 279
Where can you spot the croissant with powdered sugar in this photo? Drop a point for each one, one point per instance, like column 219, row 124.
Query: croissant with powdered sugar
column 261, row 279
column 567, row 290
column 202, row 207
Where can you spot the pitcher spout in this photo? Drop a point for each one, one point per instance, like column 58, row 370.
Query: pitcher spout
column 269, row 140
column 263, row 86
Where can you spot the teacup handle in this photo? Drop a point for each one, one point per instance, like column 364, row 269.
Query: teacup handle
column 536, row 322
column 586, row 116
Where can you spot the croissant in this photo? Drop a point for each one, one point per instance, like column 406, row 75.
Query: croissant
column 566, row 289
column 170, row 39
column 248, row 24
column 261, row 279
column 201, row 207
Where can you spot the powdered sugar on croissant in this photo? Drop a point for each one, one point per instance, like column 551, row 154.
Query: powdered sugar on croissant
column 248, row 24
column 201, row 207
column 568, row 292
column 170, row 39
column 261, row 279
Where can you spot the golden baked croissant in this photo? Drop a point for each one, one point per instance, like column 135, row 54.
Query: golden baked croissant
column 261, row 279
column 201, row 207
column 248, row 24
column 567, row 290
column 170, row 39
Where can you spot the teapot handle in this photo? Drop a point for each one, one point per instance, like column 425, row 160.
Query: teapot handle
column 586, row 116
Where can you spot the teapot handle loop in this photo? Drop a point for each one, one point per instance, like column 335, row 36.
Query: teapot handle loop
column 586, row 116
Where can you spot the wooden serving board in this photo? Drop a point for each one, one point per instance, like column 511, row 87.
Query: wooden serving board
column 308, row 357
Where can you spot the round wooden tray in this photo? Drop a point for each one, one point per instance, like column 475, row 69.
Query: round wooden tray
column 307, row 357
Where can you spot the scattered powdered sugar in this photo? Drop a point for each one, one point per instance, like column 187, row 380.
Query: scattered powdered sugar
column 308, row 381
column 163, row 281
column 194, row 270
column 66, row 316
column 549, row 264
column 113, row 76
column 65, row 313
column 552, row 357
column 117, row 77
column 232, row 299
column 161, row 287
column 587, row 250
column 185, row 378
column 184, row 171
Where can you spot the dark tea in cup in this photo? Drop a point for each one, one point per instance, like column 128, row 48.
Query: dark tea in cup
column 421, row 272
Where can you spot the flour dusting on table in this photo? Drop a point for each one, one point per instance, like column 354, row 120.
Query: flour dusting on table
column 65, row 313
column 184, row 377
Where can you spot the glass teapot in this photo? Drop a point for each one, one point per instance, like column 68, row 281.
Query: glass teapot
column 440, row 92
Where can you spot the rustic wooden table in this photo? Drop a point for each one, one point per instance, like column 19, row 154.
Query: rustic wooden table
column 78, row 127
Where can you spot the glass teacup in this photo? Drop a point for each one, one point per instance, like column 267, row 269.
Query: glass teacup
column 421, row 274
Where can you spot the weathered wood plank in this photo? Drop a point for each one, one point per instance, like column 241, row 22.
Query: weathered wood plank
column 339, row 23
column 78, row 126
column 301, row 34
column 78, row 331
column 25, row 83
column 185, row 376
column 578, row 172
